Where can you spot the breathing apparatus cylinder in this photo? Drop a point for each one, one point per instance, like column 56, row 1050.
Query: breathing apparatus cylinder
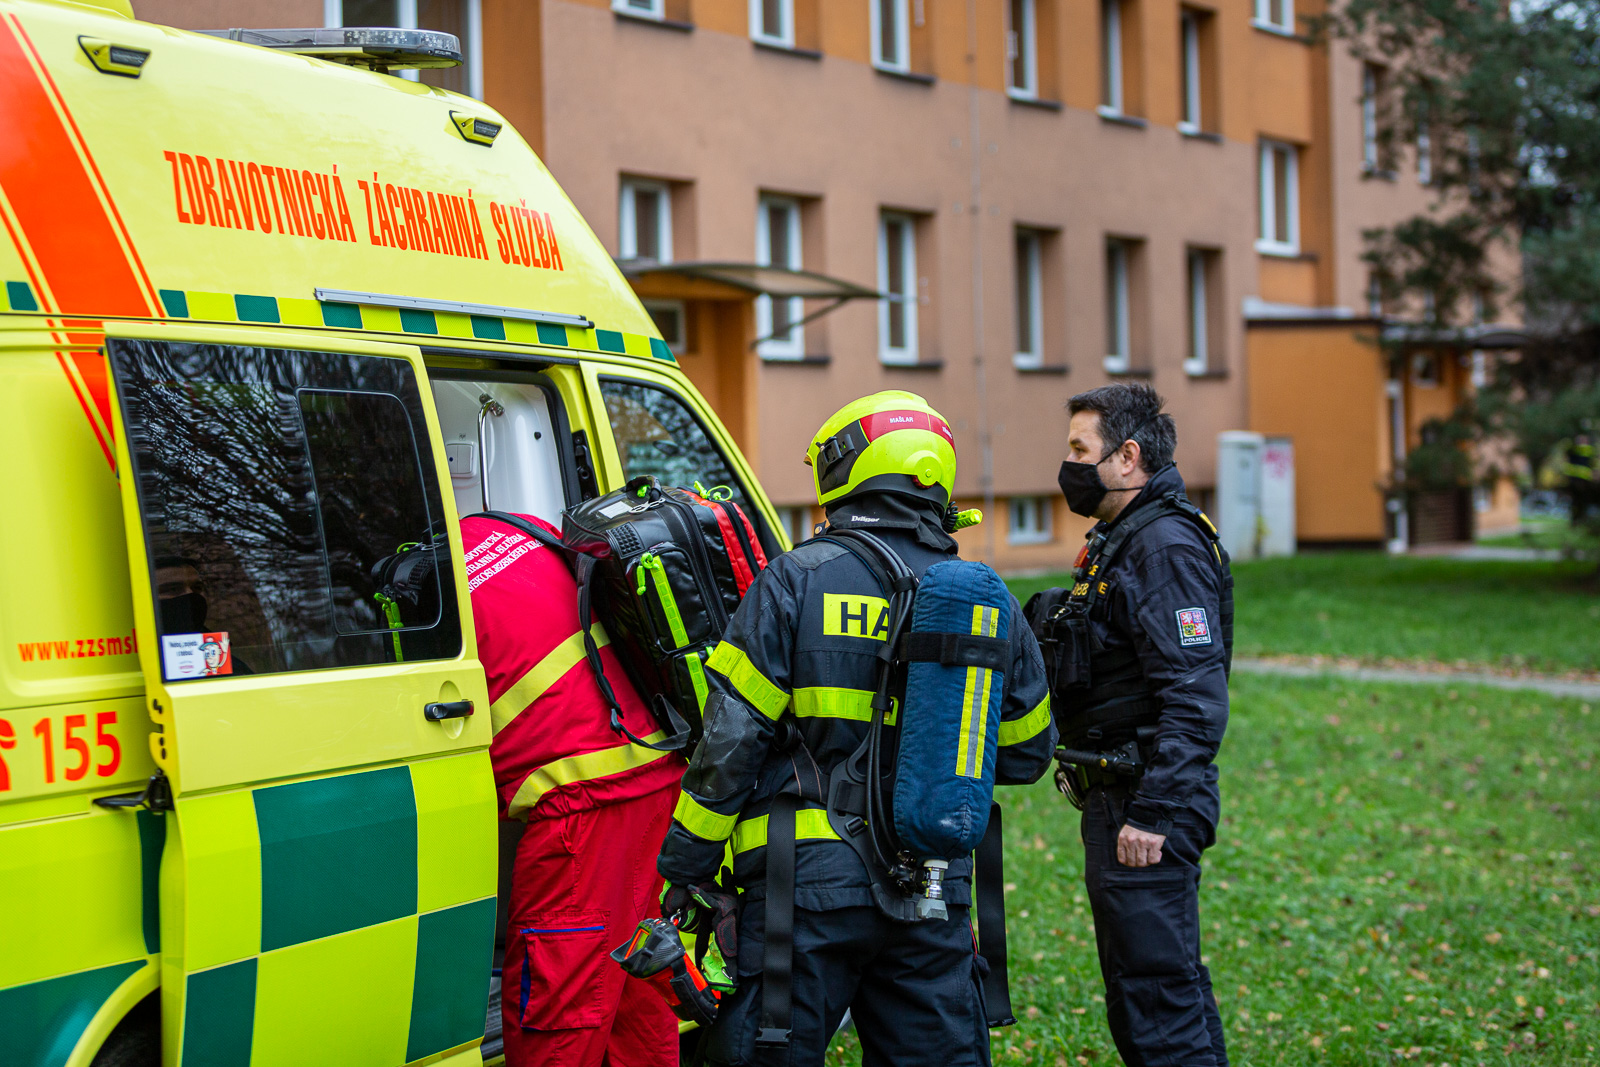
column 957, row 652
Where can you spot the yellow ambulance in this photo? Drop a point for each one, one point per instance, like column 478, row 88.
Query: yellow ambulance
column 270, row 315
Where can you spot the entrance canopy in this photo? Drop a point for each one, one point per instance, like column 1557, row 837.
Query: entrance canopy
column 750, row 279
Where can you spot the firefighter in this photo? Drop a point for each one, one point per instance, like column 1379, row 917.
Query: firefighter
column 595, row 810
column 1140, row 678
column 791, row 691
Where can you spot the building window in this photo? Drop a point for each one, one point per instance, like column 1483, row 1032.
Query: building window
column 1425, row 370
column 897, row 278
column 1118, row 298
column 1022, row 50
column 778, row 245
column 1030, row 520
column 463, row 18
column 891, row 34
column 1198, row 360
column 1275, row 15
column 772, row 22
column 668, row 315
column 1280, row 199
column 1374, row 294
column 645, row 9
column 1374, row 151
column 1193, row 117
column 645, row 221
column 1111, row 97
column 1030, row 300
column 1424, row 149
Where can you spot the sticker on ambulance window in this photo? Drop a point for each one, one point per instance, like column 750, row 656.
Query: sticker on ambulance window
column 196, row 655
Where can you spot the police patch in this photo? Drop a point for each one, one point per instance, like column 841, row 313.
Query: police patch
column 1192, row 627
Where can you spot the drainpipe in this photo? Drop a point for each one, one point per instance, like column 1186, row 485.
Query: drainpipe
column 980, row 370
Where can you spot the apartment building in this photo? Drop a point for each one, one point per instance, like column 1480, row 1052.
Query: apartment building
column 994, row 203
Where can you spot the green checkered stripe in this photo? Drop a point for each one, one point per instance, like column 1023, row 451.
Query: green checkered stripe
column 293, row 311
column 340, row 920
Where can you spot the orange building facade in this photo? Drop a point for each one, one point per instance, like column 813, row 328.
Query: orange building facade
column 1051, row 195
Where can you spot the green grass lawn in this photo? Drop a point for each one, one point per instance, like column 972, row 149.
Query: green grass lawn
column 1402, row 873
column 1542, row 616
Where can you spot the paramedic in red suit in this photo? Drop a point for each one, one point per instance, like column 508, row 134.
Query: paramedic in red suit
column 596, row 807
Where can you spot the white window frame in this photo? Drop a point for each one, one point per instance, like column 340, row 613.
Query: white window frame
column 1198, row 360
column 1029, row 351
column 650, row 9
column 901, row 62
column 795, row 346
column 1266, row 184
column 1424, row 152
column 757, row 24
column 1022, row 51
column 1263, row 20
column 907, row 297
column 628, row 219
column 796, row 522
column 1119, row 338
column 406, row 17
column 677, row 306
column 1369, row 117
column 1111, row 91
column 1193, row 106
column 1041, row 531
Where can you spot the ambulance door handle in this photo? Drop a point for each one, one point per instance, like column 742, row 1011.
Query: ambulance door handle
column 455, row 709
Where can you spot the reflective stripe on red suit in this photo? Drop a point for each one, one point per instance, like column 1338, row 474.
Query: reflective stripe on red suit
column 584, row 872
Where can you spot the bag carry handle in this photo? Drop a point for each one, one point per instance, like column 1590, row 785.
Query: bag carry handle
column 583, row 566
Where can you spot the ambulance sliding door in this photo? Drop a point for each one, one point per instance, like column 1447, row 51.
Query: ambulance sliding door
column 328, row 887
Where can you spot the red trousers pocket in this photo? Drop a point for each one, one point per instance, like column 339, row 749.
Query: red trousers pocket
column 558, row 969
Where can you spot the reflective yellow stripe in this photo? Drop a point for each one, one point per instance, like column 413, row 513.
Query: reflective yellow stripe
column 731, row 662
column 823, row 702
column 810, row 824
column 601, row 763
column 701, row 821
column 975, row 700
column 669, row 603
column 1028, row 727
column 697, row 676
column 541, row 676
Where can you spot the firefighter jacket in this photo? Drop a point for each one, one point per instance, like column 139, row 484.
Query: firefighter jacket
column 1165, row 614
column 799, row 662
column 553, row 752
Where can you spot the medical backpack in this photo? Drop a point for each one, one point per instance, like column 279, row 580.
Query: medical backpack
column 662, row 569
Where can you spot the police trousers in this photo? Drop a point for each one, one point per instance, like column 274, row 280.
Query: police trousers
column 1147, row 927
column 913, row 991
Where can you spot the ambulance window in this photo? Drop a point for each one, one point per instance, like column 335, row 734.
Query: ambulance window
column 291, row 508
column 656, row 433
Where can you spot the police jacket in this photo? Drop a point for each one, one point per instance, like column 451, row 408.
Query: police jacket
column 799, row 662
column 1163, row 604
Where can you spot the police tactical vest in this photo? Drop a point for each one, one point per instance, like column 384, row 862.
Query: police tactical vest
column 1102, row 695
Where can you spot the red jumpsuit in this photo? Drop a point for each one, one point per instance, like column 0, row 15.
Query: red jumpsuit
column 596, row 811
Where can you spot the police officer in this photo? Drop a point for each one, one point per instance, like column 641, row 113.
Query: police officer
column 791, row 691
column 1139, row 650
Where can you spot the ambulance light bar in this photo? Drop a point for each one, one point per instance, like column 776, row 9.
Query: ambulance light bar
column 456, row 307
column 379, row 48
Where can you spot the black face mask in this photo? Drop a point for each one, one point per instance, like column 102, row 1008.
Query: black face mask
column 1081, row 485
column 183, row 614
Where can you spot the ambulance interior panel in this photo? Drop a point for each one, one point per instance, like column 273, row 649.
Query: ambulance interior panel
column 501, row 447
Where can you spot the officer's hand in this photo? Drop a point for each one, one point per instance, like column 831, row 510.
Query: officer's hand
column 679, row 900
column 1136, row 848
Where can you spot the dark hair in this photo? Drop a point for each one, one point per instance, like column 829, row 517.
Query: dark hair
column 1131, row 411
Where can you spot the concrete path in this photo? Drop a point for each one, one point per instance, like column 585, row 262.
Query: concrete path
column 1499, row 553
column 1560, row 687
